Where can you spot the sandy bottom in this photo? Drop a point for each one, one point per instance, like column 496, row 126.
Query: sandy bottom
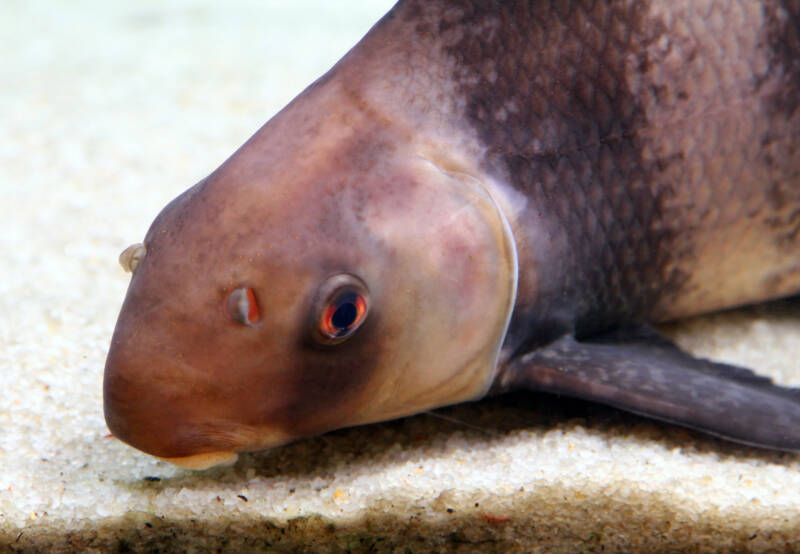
column 110, row 110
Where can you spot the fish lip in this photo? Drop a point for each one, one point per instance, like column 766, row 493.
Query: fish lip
column 205, row 460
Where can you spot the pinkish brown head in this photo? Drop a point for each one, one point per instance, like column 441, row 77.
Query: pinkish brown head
column 337, row 270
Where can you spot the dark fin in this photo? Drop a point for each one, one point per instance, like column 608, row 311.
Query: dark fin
column 641, row 371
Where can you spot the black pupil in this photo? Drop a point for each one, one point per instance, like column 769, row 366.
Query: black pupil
column 344, row 316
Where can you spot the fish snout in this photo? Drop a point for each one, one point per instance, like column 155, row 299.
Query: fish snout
column 163, row 422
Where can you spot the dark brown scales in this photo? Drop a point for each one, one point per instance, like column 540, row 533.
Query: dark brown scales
column 638, row 139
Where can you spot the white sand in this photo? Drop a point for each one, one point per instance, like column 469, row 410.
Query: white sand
column 108, row 110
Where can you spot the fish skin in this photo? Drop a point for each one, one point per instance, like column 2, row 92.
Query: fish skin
column 642, row 157
column 655, row 143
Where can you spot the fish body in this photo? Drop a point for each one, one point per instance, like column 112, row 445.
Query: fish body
column 479, row 196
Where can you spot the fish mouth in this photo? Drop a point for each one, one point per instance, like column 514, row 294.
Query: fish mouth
column 204, row 445
column 243, row 440
column 205, row 460
column 152, row 411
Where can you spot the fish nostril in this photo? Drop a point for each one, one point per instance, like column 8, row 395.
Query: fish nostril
column 241, row 306
column 131, row 257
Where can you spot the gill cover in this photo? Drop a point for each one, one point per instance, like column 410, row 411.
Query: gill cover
column 453, row 299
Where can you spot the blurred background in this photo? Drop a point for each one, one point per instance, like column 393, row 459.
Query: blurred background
column 100, row 97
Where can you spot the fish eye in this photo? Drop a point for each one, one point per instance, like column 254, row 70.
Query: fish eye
column 341, row 309
column 241, row 306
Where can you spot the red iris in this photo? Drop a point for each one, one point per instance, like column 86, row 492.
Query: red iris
column 343, row 315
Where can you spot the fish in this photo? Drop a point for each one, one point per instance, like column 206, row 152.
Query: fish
column 479, row 197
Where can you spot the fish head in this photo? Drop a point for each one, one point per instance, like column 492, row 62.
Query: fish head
column 331, row 273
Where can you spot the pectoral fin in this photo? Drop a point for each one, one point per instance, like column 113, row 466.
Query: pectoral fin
column 641, row 371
